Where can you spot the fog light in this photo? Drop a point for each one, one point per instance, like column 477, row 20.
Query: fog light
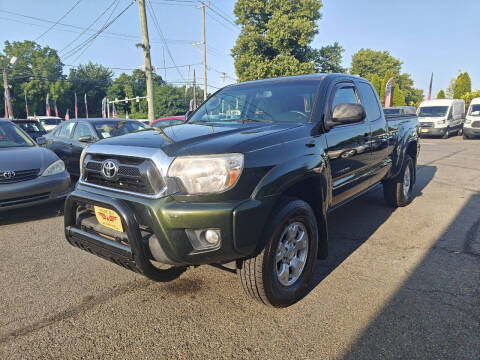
column 212, row 236
column 203, row 239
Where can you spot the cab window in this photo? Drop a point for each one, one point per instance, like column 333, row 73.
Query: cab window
column 66, row 130
column 370, row 102
column 82, row 130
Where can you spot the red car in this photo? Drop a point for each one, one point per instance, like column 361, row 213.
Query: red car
column 168, row 121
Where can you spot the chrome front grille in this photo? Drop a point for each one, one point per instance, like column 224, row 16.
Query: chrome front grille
column 426, row 124
column 133, row 175
column 18, row 176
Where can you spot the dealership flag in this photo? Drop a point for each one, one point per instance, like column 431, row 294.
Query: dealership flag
column 76, row 107
column 114, row 112
column 26, row 103
column 429, row 97
column 47, row 104
column 389, row 93
column 104, row 107
column 6, row 108
column 86, row 106
column 67, row 116
column 55, row 107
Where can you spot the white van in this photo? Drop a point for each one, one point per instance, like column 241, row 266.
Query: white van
column 471, row 127
column 441, row 117
column 48, row 122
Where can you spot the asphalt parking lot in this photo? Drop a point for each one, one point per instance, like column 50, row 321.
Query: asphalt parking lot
column 401, row 284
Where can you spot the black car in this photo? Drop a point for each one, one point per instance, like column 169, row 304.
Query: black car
column 33, row 128
column 70, row 138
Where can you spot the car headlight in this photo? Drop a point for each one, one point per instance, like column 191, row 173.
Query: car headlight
column 207, row 174
column 440, row 122
column 56, row 168
column 82, row 157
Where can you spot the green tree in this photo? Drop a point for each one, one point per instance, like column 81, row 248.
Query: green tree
column 377, row 83
column 328, row 59
column 38, row 71
column 367, row 62
column 463, row 85
column 93, row 80
column 398, row 96
column 441, row 94
column 275, row 37
column 468, row 97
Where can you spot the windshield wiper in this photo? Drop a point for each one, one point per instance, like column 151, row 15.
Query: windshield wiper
column 254, row 120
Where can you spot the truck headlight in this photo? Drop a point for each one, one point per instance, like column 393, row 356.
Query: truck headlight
column 208, row 173
column 440, row 122
column 56, row 168
column 82, row 157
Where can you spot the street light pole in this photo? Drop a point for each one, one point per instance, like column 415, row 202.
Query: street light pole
column 204, row 53
column 148, row 60
column 7, row 90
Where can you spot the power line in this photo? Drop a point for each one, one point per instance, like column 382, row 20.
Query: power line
column 162, row 37
column 58, row 21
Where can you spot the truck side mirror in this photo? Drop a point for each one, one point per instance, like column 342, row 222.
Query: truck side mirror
column 347, row 114
column 85, row 139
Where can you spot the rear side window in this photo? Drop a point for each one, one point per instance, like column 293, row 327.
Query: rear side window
column 369, row 101
column 82, row 130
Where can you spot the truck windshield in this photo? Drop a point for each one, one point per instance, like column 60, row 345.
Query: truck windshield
column 285, row 101
column 474, row 110
column 11, row 136
column 106, row 129
column 433, row 111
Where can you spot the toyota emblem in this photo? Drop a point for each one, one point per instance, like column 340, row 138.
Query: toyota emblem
column 109, row 169
column 8, row 175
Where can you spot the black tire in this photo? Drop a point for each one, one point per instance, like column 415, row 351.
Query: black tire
column 460, row 132
column 447, row 134
column 258, row 275
column 393, row 190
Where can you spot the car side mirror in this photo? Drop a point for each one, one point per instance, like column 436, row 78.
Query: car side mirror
column 347, row 114
column 41, row 141
column 86, row 139
column 188, row 114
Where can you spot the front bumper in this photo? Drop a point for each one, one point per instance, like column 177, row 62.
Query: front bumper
column 156, row 229
column 33, row 192
column 471, row 131
column 424, row 131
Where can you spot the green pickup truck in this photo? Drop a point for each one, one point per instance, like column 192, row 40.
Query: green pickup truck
column 245, row 184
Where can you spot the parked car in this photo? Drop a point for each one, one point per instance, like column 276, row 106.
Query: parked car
column 246, row 183
column 33, row 128
column 29, row 174
column 471, row 128
column 168, row 121
column 441, row 117
column 70, row 138
column 400, row 110
column 48, row 122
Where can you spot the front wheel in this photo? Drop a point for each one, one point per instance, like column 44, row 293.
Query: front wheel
column 398, row 192
column 280, row 274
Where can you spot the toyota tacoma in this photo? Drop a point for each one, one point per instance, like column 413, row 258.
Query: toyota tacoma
column 246, row 183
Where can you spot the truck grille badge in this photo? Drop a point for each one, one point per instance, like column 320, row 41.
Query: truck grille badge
column 109, row 169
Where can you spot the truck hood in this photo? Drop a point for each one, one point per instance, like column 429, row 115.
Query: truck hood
column 199, row 139
column 26, row 158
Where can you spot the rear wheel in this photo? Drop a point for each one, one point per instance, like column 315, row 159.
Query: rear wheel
column 280, row 274
column 398, row 192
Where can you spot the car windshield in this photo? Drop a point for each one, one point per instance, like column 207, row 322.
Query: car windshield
column 31, row 126
column 392, row 111
column 50, row 121
column 433, row 111
column 285, row 101
column 111, row 128
column 474, row 110
column 12, row 136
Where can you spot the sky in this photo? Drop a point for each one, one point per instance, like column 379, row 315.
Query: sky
column 428, row 36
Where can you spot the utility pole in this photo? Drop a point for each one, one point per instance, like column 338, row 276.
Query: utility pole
column 204, row 52
column 148, row 60
column 224, row 75
column 7, row 90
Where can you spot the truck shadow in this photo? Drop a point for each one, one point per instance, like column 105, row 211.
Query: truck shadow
column 435, row 313
column 364, row 216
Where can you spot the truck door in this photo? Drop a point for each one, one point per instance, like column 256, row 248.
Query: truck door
column 348, row 147
column 379, row 134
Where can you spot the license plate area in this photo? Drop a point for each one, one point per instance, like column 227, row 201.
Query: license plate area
column 108, row 218
column 424, row 130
